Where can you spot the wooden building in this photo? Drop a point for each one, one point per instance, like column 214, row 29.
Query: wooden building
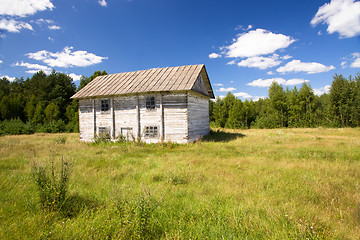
column 160, row 104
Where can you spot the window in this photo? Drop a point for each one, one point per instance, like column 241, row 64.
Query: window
column 104, row 105
column 104, row 132
column 150, row 102
column 151, row 131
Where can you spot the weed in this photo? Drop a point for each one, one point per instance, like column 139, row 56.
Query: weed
column 52, row 187
column 60, row 140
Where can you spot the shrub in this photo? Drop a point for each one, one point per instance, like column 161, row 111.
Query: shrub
column 15, row 127
column 52, row 186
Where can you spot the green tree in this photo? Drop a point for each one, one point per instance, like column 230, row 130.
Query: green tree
column 307, row 106
column 52, row 112
column 341, row 96
column 39, row 115
column 278, row 103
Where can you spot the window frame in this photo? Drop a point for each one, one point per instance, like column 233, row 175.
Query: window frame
column 151, row 131
column 104, row 105
column 150, row 103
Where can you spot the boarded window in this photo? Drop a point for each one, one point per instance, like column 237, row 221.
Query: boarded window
column 151, row 131
column 104, row 132
column 104, row 105
column 150, row 102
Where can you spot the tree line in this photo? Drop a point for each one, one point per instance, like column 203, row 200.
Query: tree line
column 292, row 107
column 40, row 104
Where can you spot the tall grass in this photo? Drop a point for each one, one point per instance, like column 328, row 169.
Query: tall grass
column 249, row 184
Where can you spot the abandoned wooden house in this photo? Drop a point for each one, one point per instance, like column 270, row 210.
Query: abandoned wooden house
column 160, row 104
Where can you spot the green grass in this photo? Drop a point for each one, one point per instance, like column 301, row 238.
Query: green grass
column 248, row 184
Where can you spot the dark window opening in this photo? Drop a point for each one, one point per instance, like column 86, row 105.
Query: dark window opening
column 104, row 105
column 151, row 132
column 150, row 102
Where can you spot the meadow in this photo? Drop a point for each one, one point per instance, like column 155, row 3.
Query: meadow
column 233, row 184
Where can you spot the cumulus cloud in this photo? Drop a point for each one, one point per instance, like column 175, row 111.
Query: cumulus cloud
column 261, row 62
column 321, row 91
column 13, row 25
column 356, row 60
column 308, row 67
column 102, row 3
column 22, row 8
column 33, row 68
column 74, row 76
column 242, row 94
column 226, row 89
column 66, row 58
column 218, row 84
column 267, row 82
column 214, row 55
column 11, row 79
column 257, row 42
column 342, row 16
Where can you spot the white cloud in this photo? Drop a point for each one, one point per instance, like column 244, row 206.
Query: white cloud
column 1, row 61
column 257, row 98
column 286, row 57
column 308, row 67
column 242, row 94
column 34, row 68
column 102, row 3
column 295, row 81
column 23, row 8
column 54, row 27
column 321, row 91
column 218, row 84
column 66, row 58
column 11, row 79
column 231, row 62
column 214, row 55
column 51, row 39
column 261, row 62
column 342, row 16
column 74, row 76
column 41, row 21
column 356, row 62
column 257, row 42
column 14, row 26
column 226, row 89
column 267, row 82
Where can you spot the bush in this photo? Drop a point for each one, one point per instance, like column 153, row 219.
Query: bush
column 52, row 187
column 51, row 127
column 15, row 127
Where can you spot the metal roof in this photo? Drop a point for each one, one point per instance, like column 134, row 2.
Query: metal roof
column 152, row 80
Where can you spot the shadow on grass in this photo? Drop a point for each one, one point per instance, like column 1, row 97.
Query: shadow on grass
column 220, row 136
column 75, row 204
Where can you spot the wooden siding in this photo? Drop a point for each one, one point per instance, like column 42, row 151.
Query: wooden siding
column 175, row 117
column 86, row 120
column 198, row 116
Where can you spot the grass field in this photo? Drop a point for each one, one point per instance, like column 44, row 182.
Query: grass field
column 246, row 184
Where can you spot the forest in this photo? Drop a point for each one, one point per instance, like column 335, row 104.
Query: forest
column 292, row 108
column 42, row 104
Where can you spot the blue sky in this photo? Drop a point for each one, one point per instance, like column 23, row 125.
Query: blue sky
column 245, row 45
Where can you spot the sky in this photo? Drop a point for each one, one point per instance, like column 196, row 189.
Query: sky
column 244, row 44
